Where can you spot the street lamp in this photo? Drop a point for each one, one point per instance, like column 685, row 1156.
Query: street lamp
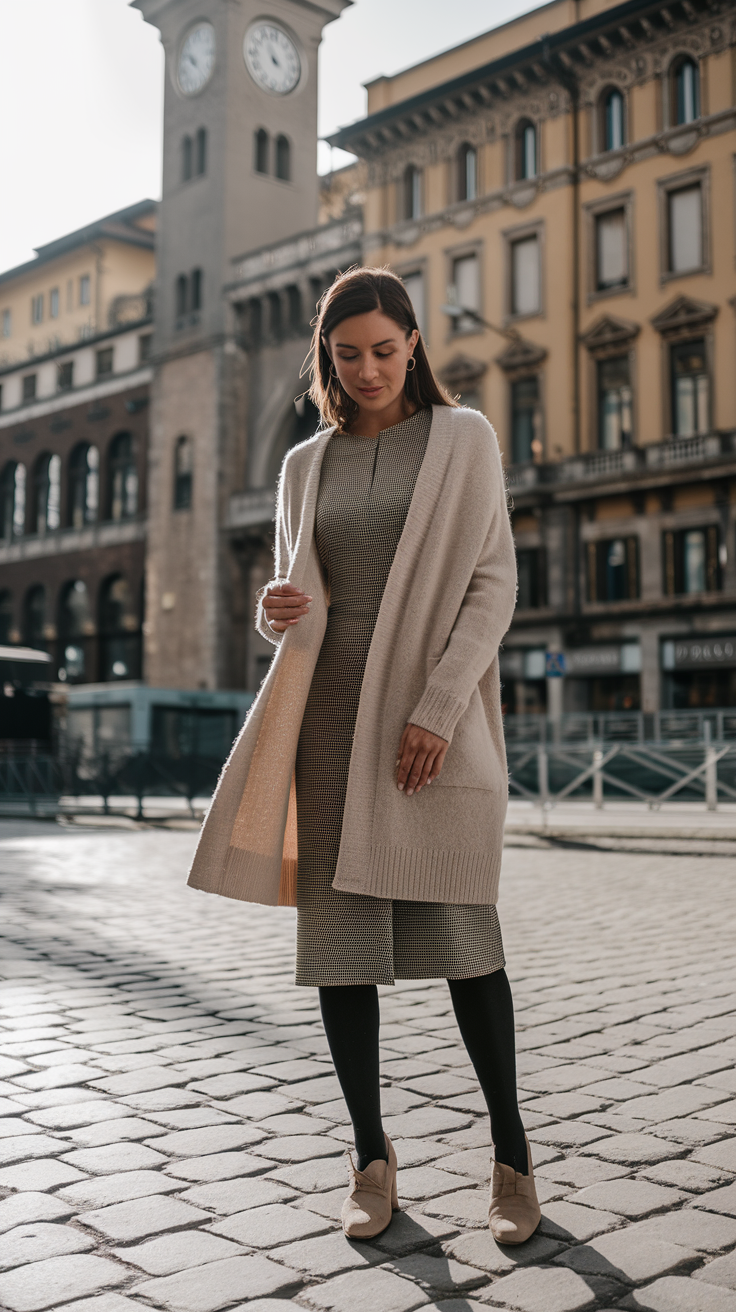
column 454, row 311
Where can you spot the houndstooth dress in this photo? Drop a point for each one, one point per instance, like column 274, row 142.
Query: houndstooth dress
column 366, row 486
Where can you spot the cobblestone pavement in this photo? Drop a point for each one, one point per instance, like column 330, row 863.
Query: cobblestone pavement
column 171, row 1131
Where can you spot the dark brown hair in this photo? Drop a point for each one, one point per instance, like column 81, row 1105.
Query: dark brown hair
column 359, row 291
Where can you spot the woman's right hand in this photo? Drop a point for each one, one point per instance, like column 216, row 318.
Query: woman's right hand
column 284, row 605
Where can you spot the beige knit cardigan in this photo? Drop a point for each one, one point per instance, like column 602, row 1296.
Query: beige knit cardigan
column 433, row 661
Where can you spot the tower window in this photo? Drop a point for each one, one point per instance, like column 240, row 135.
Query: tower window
column 84, row 289
column 611, row 250
column 54, row 303
column 123, row 476
column 186, row 159
column 183, row 471
column 467, row 170
column 201, row 151
column 526, row 150
column 526, row 420
column 612, row 107
column 283, row 158
column 182, row 290
column 412, row 192
column 195, row 299
column 37, row 308
column 686, row 92
column 260, row 155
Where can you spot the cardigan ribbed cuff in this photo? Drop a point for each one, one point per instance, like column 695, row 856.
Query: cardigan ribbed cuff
column 438, row 712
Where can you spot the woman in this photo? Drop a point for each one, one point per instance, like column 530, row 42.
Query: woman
column 395, row 583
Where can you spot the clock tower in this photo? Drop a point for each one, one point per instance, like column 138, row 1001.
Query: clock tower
column 239, row 173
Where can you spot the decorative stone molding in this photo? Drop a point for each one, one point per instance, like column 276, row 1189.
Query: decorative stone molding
column 463, row 371
column 609, row 335
column 684, row 315
column 521, row 356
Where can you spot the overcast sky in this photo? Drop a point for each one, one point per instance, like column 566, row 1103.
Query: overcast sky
column 81, row 90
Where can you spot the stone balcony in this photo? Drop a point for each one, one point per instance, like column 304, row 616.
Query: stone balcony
column 601, row 466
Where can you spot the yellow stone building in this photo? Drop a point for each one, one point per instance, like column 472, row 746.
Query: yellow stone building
column 559, row 196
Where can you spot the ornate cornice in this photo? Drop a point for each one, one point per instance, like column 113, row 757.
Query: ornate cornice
column 521, row 356
column 609, row 335
column 683, row 315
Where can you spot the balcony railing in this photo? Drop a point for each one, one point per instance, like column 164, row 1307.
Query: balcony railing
column 597, row 465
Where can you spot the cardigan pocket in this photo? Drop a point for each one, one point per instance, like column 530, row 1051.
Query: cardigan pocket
column 470, row 760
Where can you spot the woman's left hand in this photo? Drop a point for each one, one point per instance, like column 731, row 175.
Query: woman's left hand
column 421, row 754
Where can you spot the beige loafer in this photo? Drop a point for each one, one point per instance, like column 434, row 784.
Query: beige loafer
column 373, row 1198
column 513, row 1209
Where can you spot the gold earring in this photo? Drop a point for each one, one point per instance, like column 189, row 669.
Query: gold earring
column 411, row 364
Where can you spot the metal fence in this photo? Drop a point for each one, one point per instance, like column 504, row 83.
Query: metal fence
column 73, row 781
column 687, row 756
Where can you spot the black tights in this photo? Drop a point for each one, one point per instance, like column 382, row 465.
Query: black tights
column 485, row 1015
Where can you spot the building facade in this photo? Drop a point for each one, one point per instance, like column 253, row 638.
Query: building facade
column 559, row 195
column 74, row 390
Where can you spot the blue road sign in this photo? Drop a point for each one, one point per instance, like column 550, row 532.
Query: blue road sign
column 554, row 662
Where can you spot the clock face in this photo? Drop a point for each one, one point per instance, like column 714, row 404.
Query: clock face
column 271, row 58
column 196, row 59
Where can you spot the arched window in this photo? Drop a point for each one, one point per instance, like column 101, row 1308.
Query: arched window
column 123, row 478
column 195, row 294
column 182, row 295
column 6, row 617
column 201, row 152
column 294, row 303
column 34, row 617
column 612, row 119
column 412, row 192
column 526, row 149
column 186, row 159
column 76, row 628
column 84, row 485
column 120, row 638
column 46, row 494
column 275, row 317
column 12, row 501
column 183, row 473
column 686, row 89
column 260, row 151
column 467, row 173
column 283, row 158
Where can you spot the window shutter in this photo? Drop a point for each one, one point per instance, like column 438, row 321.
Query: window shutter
column 712, row 569
column 669, row 564
column 632, row 568
column 592, row 571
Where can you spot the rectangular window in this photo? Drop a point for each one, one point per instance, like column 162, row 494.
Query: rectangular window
column 613, row 570
column 691, row 560
column 29, row 387
column 84, row 289
column 196, row 291
column 104, row 362
column 526, row 437
column 614, row 404
column 54, row 303
column 7, row 323
column 414, row 283
column 611, row 250
column 465, row 291
column 144, row 347
column 525, row 289
column 685, row 229
column 37, row 308
column 65, row 376
column 532, row 572
column 690, row 389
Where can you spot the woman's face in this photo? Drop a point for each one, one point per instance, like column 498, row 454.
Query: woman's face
column 370, row 354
